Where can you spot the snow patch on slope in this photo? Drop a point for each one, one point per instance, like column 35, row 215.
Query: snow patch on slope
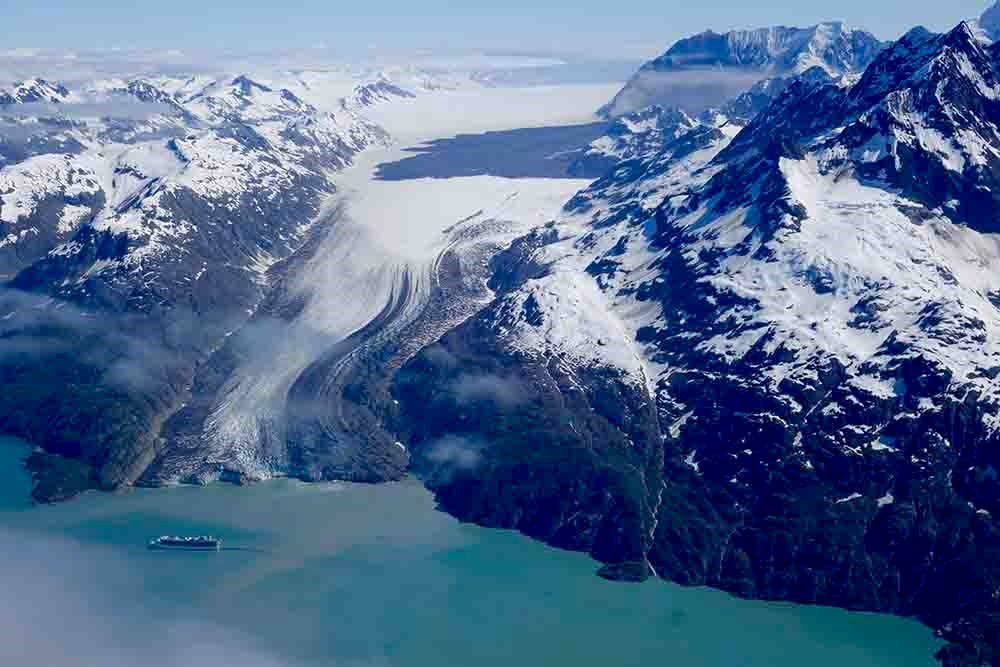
column 566, row 314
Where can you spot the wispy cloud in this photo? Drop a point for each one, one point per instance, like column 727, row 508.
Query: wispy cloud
column 693, row 90
column 34, row 327
column 453, row 453
column 505, row 392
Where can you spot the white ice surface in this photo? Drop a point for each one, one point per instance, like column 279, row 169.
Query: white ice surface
column 384, row 230
column 479, row 109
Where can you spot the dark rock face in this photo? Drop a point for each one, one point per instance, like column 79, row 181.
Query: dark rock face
column 86, row 388
column 58, row 478
column 536, row 449
column 36, row 237
column 815, row 417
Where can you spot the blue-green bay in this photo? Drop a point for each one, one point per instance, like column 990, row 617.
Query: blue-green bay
column 339, row 574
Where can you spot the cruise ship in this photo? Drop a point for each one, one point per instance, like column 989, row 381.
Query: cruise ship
column 201, row 543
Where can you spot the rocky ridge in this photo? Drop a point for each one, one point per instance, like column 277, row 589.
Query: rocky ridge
column 758, row 356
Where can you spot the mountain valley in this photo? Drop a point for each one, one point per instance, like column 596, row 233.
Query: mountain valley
column 731, row 323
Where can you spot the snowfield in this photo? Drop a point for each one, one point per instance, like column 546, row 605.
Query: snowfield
column 473, row 109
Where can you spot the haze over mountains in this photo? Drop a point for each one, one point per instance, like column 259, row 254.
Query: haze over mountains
column 760, row 352
column 708, row 69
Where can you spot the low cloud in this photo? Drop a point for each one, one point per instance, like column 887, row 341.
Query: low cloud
column 120, row 107
column 68, row 605
column 33, row 327
column 438, row 355
column 693, row 90
column 12, row 131
column 456, row 453
column 505, row 392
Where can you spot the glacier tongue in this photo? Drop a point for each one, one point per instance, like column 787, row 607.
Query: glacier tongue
column 369, row 278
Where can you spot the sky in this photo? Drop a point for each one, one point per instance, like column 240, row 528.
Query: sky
column 634, row 28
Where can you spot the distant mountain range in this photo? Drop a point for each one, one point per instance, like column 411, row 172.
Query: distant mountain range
column 709, row 68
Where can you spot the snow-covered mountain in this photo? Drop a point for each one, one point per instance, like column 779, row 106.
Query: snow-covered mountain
column 635, row 134
column 763, row 355
column 374, row 92
column 236, row 151
column 709, row 68
column 34, row 90
column 760, row 353
column 988, row 23
column 158, row 202
column 644, row 133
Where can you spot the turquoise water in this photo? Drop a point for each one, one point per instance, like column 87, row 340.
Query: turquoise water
column 361, row 575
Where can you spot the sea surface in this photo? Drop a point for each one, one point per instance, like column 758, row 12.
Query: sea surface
column 341, row 574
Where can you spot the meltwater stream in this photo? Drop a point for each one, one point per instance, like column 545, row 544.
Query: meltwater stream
column 339, row 574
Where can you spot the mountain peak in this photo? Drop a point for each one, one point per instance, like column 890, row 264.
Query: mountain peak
column 246, row 86
column 963, row 33
column 730, row 63
column 34, row 90
column 927, row 56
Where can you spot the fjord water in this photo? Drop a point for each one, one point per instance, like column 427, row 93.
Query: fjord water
column 340, row 574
